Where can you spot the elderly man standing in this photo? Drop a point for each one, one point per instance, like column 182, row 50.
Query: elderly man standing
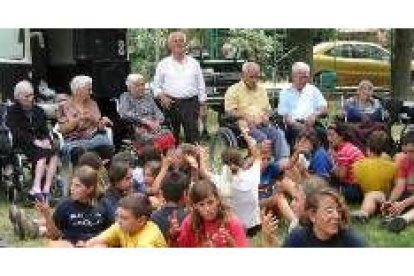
column 301, row 103
column 180, row 87
column 249, row 101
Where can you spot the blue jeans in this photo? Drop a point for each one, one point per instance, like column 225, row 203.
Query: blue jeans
column 97, row 141
column 280, row 146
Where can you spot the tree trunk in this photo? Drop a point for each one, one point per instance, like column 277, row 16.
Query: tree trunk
column 302, row 39
column 401, row 64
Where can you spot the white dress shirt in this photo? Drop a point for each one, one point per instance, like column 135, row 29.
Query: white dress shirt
column 180, row 79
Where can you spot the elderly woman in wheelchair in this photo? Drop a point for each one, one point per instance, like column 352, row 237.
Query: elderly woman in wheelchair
column 28, row 125
column 364, row 113
column 138, row 109
column 81, row 124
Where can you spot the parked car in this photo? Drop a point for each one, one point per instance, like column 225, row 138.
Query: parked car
column 353, row 61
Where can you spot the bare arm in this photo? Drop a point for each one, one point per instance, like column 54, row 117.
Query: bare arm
column 398, row 190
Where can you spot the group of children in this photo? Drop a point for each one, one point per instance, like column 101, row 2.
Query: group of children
column 174, row 199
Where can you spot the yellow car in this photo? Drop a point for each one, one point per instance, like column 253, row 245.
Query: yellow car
column 353, row 61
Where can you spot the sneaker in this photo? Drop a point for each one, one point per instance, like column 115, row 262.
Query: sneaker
column 359, row 217
column 13, row 213
column 27, row 228
column 397, row 224
column 385, row 221
column 19, row 227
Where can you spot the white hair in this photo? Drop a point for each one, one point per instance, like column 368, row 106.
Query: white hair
column 250, row 65
column 79, row 82
column 174, row 34
column 21, row 87
column 300, row 66
column 133, row 78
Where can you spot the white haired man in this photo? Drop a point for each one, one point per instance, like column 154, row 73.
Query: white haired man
column 301, row 103
column 180, row 87
column 249, row 101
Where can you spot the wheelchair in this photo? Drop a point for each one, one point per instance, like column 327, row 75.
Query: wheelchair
column 65, row 166
column 16, row 170
column 406, row 118
column 389, row 116
column 129, row 142
column 229, row 135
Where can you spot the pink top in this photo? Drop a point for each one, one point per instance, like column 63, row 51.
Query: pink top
column 346, row 155
column 212, row 238
column 90, row 119
column 406, row 171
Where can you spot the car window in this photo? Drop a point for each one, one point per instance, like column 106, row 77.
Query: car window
column 360, row 51
column 378, row 53
column 341, row 51
column 370, row 52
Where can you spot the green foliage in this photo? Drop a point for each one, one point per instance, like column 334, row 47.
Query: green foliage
column 255, row 44
column 146, row 47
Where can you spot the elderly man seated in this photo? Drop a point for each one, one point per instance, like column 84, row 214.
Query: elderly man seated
column 249, row 101
column 301, row 104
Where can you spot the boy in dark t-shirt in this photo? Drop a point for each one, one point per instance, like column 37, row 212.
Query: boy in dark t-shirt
column 174, row 188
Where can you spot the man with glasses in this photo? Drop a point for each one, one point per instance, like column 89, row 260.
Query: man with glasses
column 301, row 103
column 248, row 101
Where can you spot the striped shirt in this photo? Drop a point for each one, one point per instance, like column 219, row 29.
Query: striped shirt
column 346, row 155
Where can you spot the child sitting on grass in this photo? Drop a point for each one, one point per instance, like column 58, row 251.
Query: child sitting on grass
column 210, row 222
column 133, row 227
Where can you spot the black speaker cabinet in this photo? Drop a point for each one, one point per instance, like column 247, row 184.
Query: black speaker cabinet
column 109, row 78
column 93, row 44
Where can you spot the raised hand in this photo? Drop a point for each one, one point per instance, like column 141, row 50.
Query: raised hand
column 174, row 228
column 191, row 160
column 225, row 236
column 269, row 227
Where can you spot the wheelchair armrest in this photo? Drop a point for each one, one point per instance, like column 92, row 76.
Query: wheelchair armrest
column 110, row 134
column 56, row 133
column 228, row 118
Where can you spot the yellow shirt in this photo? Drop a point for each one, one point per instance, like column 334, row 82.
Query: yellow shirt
column 375, row 174
column 149, row 236
column 252, row 102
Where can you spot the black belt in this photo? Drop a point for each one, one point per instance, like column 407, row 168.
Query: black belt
column 184, row 99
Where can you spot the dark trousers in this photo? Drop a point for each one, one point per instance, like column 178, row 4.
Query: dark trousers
column 185, row 112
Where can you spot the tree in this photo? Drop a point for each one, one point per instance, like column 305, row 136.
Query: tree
column 302, row 40
column 146, row 48
column 401, row 64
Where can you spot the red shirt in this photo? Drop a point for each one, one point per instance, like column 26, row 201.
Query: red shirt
column 346, row 155
column 187, row 237
column 406, row 171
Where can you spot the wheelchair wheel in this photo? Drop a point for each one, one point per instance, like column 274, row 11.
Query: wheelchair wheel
column 222, row 139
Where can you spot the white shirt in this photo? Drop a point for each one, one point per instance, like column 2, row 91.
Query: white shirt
column 300, row 105
column 180, row 79
column 241, row 191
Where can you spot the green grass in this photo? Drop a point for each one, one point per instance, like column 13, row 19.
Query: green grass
column 6, row 229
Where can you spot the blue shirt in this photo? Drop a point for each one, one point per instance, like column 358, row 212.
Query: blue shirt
column 300, row 105
column 267, row 179
column 304, row 237
column 321, row 163
column 78, row 221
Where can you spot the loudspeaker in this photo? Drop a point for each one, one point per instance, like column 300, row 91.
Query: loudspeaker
column 109, row 78
column 92, row 44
